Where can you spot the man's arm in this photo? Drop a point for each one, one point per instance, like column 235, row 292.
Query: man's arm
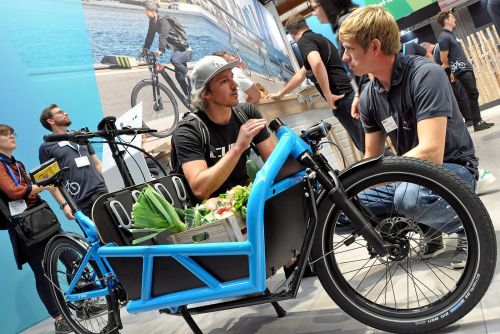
column 431, row 139
column 97, row 163
column 374, row 144
column 321, row 76
column 444, row 58
column 252, row 95
column 266, row 147
column 202, row 180
column 60, row 200
column 150, row 35
column 294, row 82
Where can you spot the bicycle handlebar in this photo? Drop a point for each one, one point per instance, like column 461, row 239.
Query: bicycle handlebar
column 77, row 136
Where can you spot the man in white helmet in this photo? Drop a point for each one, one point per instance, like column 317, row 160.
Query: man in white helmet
column 216, row 164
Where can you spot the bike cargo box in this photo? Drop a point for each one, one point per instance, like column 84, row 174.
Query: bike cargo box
column 285, row 224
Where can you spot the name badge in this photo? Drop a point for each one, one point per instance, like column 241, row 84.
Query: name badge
column 389, row 124
column 82, row 161
column 17, row 207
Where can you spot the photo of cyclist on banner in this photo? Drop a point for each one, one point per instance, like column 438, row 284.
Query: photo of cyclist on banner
column 171, row 36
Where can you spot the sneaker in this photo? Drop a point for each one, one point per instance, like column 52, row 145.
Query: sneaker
column 482, row 125
column 434, row 246
column 90, row 310
column 61, row 326
column 459, row 259
column 486, row 180
column 469, row 123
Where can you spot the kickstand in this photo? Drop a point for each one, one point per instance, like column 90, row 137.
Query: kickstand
column 189, row 320
column 280, row 311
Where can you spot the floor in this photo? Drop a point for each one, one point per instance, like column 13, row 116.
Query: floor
column 313, row 311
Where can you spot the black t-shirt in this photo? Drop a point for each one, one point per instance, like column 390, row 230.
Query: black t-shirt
column 82, row 182
column 189, row 145
column 456, row 55
column 337, row 77
column 419, row 90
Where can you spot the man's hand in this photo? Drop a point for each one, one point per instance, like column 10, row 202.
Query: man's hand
column 331, row 99
column 157, row 53
column 274, row 96
column 68, row 213
column 248, row 131
column 354, row 107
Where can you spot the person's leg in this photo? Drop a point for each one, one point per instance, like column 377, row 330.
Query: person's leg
column 425, row 207
column 35, row 258
column 352, row 125
column 468, row 82
column 462, row 100
column 179, row 59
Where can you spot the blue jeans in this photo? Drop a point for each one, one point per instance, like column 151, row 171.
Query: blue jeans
column 417, row 203
column 179, row 59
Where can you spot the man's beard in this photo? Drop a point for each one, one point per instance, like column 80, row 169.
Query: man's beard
column 63, row 123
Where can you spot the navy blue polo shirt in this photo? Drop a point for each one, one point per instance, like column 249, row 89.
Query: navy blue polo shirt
column 419, row 90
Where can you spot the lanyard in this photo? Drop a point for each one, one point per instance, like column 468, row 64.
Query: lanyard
column 14, row 178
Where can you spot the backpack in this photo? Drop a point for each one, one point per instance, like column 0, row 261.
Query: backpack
column 205, row 135
column 176, row 35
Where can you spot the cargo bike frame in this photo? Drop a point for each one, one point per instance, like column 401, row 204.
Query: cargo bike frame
column 94, row 279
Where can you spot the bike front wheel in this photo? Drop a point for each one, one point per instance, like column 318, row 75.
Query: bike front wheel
column 87, row 316
column 159, row 108
column 446, row 261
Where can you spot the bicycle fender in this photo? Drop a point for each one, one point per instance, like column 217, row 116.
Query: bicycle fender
column 365, row 163
column 71, row 235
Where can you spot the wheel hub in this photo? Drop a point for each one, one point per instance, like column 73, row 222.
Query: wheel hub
column 404, row 233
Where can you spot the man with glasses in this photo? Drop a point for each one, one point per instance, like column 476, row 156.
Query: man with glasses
column 84, row 180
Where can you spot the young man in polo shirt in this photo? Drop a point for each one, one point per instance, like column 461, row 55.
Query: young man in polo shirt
column 411, row 101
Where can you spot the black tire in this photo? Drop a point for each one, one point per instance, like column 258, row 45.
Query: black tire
column 153, row 111
column 91, row 316
column 339, row 256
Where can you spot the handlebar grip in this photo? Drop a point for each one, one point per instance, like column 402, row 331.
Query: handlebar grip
column 61, row 136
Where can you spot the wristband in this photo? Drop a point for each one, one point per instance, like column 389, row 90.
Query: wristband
column 63, row 205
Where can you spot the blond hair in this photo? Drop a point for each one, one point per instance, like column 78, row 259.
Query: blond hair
column 368, row 23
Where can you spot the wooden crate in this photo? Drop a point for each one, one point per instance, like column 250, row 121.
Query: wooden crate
column 232, row 228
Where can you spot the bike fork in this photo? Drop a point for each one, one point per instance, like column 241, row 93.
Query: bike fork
column 337, row 194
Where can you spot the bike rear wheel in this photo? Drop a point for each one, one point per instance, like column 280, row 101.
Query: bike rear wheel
column 161, row 113
column 88, row 316
column 418, row 290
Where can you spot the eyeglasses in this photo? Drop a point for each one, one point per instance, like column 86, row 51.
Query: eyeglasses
column 9, row 135
column 59, row 112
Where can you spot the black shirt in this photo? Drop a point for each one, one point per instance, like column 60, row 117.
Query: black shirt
column 81, row 182
column 162, row 27
column 189, row 145
column 419, row 90
column 456, row 55
column 337, row 77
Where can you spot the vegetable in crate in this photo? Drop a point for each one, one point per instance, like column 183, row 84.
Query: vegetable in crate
column 153, row 214
column 232, row 202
